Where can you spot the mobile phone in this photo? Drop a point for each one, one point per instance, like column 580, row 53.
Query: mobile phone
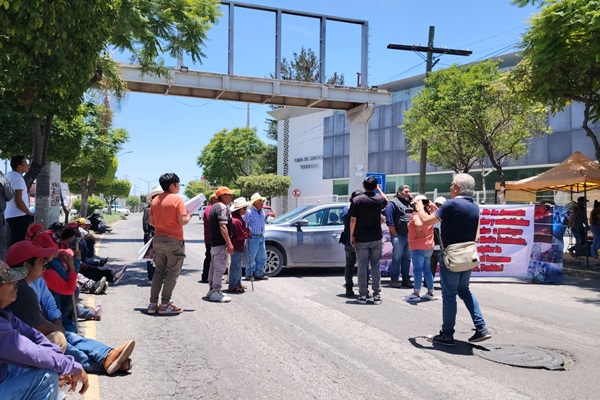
column 425, row 202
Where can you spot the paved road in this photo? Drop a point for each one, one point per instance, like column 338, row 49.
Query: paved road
column 297, row 337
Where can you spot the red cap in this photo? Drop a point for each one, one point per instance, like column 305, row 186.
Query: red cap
column 72, row 225
column 33, row 230
column 24, row 250
column 45, row 241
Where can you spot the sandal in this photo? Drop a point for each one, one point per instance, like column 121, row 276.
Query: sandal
column 238, row 289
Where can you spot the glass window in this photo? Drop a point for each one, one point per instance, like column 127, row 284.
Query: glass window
column 338, row 167
column 386, row 140
column 328, row 126
column 327, row 168
column 386, row 116
column 374, row 140
column 374, row 123
column 338, row 146
column 314, row 219
column 328, row 147
column 559, row 146
column 561, row 121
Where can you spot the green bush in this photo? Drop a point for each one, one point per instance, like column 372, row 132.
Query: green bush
column 94, row 203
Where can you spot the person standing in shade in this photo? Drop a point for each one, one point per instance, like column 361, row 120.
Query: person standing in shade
column 255, row 219
column 579, row 226
column 221, row 246
column 365, row 237
column 168, row 216
column 595, row 226
column 206, row 221
column 17, row 214
column 6, row 195
column 459, row 223
column 397, row 216
column 350, row 252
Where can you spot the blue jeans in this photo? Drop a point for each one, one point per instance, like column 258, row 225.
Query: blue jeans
column 400, row 259
column 368, row 253
column 30, row 384
column 258, row 256
column 596, row 242
column 457, row 283
column 421, row 260
column 87, row 352
column 235, row 269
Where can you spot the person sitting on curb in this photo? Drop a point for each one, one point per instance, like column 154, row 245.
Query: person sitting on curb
column 37, row 309
column 31, row 367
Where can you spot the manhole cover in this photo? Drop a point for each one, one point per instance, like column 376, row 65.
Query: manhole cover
column 520, row 356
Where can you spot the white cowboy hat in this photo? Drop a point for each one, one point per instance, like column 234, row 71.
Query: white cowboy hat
column 238, row 203
column 440, row 200
column 255, row 197
column 156, row 191
column 419, row 197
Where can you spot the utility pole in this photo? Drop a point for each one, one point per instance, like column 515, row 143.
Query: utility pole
column 430, row 50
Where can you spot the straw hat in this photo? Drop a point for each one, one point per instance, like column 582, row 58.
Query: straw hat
column 239, row 203
column 155, row 192
column 255, row 197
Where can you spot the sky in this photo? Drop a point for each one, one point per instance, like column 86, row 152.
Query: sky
column 167, row 133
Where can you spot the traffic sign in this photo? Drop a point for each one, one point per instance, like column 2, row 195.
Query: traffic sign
column 296, row 193
column 380, row 179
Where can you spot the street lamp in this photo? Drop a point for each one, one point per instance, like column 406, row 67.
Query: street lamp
column 148, row 182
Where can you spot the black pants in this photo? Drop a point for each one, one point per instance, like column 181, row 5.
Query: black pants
column 18, row 228
column 435, row 258
column 206, row 266
column 349, row 268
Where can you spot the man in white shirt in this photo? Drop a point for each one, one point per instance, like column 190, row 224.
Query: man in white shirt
column 17, row 214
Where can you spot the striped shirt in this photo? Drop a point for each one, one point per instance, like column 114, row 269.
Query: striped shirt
column 255, row 219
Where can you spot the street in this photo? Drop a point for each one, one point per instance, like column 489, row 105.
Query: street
column 297, row 337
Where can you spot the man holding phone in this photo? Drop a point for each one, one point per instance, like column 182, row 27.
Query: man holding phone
column 397, row 216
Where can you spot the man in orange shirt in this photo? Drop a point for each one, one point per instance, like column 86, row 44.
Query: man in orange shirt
column 168, row 216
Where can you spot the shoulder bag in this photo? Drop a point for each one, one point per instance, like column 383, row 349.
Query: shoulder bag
column 460, row 257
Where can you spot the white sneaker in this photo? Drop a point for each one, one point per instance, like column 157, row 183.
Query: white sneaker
column 428, row 296
column 412, row 298
column 219, row 297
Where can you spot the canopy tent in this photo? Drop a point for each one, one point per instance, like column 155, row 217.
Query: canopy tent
column 576, row 174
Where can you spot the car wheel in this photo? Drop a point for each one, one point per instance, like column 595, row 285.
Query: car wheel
column 274, row 262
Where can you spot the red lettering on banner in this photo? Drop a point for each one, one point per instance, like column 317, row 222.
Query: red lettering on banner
column 498, row 259
column 513, row 221
column 513, row 213
column 487, row 239
column 491, row 267
column 485, row 231
column 509, row 231
column 486, row 249
column 486, row 221
column 509, row 240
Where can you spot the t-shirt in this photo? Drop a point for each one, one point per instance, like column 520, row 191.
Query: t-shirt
column 27, row 306
column 18, row 183
column 240, row 232
column 165, row 211
column 206, row 217
column 219, row 215
column 460, row 220
column 416, row 239
column 367, row 210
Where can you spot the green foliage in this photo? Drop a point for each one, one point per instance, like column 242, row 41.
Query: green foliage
column 194, row 188
column 269, row 185
column 561, row 59
column 115, row 189
column 230, row 154
column 466, row 110
column 133, row 203
column 93, row 204
column 305, row 68
column 266, row 162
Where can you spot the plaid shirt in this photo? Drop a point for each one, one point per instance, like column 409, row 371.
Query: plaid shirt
column 255, row 219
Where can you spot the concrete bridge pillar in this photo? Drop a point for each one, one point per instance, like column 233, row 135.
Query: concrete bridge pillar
column 359, row 118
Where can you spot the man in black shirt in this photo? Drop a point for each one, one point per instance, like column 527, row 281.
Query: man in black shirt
column 365, row 237
column 220, row 243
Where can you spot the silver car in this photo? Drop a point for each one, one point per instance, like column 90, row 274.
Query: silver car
column 305, row 237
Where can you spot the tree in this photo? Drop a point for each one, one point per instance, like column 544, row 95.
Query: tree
column 472, row 105
column 93, row 204
column 133, row 203
column 194, row 188
column 230, row 154
column 561, row 59
column 51, row 52
column 270, row 185
column 266, row 162
column 115, row 189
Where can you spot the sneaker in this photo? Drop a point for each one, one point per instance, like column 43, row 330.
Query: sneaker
column 169, row 309
column 349, row 293
column 99, row 285
column 152, row 308
column 412, row 298
column 97, row 313
column 362, row 299
column 219, row 297
column 116, row 357
column 428, row 296
column 103, row 291
column 480, row 336
column 571, row 252
column 377, row 299
column 261, row 278
column 407, row 284
column 117, row 276
column 396, row 285
column 441, row 339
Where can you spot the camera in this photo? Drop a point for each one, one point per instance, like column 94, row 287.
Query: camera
column 425, row 202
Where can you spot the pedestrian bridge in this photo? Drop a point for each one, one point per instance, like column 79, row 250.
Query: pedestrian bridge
column 215, row 86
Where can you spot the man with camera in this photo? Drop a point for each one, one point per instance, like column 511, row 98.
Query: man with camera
column 397, row 216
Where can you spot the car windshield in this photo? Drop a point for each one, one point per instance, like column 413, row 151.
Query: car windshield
column 290, row 215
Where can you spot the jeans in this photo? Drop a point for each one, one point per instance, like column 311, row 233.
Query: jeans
column 596, row 242
column 457, row 283
column 400, row 259
column 87, row 352
column 169, row 254
column 258, row 256
column 368, row 253
column 218, row 265
column 350, row 264
column 421, row 260
column 30, row 384
column 235, row 269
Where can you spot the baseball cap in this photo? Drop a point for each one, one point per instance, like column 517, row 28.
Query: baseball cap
column 44, row 240
column 8, row 274
column 440, row 200
column 83, row 221
column 24, row 250
column 223, row 190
